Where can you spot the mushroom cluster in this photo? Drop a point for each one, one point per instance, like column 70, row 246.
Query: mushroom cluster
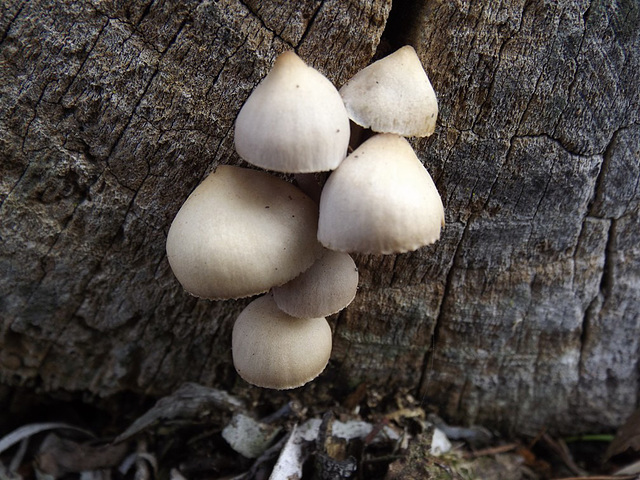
column 244, row 232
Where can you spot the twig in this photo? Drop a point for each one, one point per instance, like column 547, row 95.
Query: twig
column 560, row 448
column 492, row 450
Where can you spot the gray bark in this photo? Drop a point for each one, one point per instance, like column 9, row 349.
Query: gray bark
column 525, row 314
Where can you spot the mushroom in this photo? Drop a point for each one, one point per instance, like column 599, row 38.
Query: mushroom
column 326, row 288
column 274, row 350
column 294, row 121
column 240, row 233
column 380, row 200
column 393, row 95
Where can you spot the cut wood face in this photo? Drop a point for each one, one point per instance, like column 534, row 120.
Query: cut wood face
column 525, row 313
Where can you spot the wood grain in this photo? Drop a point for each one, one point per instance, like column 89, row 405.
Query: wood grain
column 524, row 315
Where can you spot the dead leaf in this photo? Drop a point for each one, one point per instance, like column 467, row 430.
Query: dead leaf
column 474, row 435
column 628, row 437
column 440, row 444
column 190, row 403
column 27, row 431
column 249, row 437
column 59, row 456
column 291, row 459
column 633, row 469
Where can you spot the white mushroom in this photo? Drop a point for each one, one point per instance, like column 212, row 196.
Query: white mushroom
column 326, row 288
column 240, row 233
column 393, row 95
column 274, row 350
column 380, row 200
column 294, row 121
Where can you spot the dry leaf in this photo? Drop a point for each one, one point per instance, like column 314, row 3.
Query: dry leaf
column 291, row 459
column 59, row 456
column 191, row 402
column 628, row 437
column 249, row 437
column 28, row 430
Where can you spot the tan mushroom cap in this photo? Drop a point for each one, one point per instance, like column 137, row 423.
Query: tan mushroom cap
column 274, row 350
column 326, row 288
column 294, row 121
column 240, row 233
column 393, row 95
column 380, row 200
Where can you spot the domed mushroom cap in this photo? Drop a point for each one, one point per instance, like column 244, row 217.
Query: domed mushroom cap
column 380, row 200
column 393, row 95
column 240, row 233
column 326, row 288
column 294, row 121
column 274, row 350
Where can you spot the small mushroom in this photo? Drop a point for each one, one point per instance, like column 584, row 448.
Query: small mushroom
column 272, row 349
column 294, row 121
column 393, row 95
column 380, row 200
column 240, row 233
column 326, row 288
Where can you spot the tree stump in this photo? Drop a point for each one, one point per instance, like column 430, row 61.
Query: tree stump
column 524, row 315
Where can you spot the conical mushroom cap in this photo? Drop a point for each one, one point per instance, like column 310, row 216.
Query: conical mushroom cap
column 326, row 288
column 294, row 121
column 240, row 233
column 393, row 95
column 274, row 350
column 380, row 200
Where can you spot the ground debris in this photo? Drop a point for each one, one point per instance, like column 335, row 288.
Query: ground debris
column 249, row 437
column 333, row 460
column 201, row 433
column 627, row 438
column 190, row 402
column 59, row 456
column 292, row 457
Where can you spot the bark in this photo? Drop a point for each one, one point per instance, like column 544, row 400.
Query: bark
column 525, row 314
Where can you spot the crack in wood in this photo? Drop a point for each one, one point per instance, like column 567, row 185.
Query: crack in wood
column 262, row 22
column 543, row 71
column 75, row 75
column 12, row 21
column 44, row 258
column 594, row 308
column 429, row 355
column 610, row 252
column 145, row 13
column 310, row 24
column 13, row 187
column 152, row 380
column 32, row 119
column 142, row 97
column 600, row 186
column 572, row 85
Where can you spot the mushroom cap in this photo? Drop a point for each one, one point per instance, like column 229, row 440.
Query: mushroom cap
column 380, row 200
column 240, row 233
column 326, row 288
column 274, row 350
column 393, row 95
column 294, row 121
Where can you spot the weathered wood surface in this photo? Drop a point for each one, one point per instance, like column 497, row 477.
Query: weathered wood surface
column 525, row 314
